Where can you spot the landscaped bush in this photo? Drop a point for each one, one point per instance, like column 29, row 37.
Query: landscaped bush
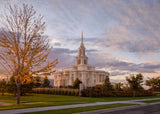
column 105, row 93
column 56, row 91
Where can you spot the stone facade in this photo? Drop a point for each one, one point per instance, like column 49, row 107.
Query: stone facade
column 89, row 76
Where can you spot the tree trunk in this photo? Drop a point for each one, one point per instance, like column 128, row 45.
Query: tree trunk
column 18, row 93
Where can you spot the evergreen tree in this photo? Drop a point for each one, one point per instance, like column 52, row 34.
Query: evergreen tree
column 107, row 84
column 46, row 82
column 76, row 83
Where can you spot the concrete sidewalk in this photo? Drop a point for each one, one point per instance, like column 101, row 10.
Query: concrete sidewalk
column 26, row 110
column 3, row 103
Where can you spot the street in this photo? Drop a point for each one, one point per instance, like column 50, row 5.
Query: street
column 141, row 109
column 149, row 109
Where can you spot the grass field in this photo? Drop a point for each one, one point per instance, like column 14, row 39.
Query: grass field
column 41, row 100
column 151, row 101
column 81, row 109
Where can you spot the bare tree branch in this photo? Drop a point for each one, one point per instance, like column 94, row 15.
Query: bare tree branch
column 25, row 49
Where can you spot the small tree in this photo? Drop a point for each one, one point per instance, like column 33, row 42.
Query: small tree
column 76, row 83
column 126, row 87
column 118, row 86
column 107, row 84
column 46, row 82
column 153, row 83
column 3, row 85
column 25, row 48
column 135, row 82
column 26, row 86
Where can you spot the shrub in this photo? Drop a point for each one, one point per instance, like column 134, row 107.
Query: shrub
column 107, row 93
column 56, row 91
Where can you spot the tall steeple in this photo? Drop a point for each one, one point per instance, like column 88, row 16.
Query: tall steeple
column 82, row 45
column 82, row 38
column 81, row 58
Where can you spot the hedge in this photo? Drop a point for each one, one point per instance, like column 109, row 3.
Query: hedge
column 106, row 93
column 56, row 91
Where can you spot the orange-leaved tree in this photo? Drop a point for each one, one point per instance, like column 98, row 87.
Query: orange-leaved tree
column 25, row 48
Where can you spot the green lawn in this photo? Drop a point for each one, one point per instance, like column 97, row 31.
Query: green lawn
column 151, row 101
column 80, row 109
column 41, row 100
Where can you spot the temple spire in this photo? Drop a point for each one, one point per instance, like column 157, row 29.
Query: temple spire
column 82, row 38
column 82, row 59
column 82, row 45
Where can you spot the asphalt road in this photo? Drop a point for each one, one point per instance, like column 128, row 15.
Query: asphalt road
column 149, row 109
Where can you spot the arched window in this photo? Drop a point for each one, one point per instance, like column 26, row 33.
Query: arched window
column 85, row 62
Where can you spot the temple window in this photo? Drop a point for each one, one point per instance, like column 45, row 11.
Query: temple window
column 100, row 78
column 85, row 62
column 72, row 79
column 63, row 82
column 88, row 81
column 79, row 61
column 80, row 76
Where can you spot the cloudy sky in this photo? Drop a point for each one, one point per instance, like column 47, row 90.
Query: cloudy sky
column 120, row 36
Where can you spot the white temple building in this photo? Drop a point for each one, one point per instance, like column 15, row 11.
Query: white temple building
column 89, row 76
